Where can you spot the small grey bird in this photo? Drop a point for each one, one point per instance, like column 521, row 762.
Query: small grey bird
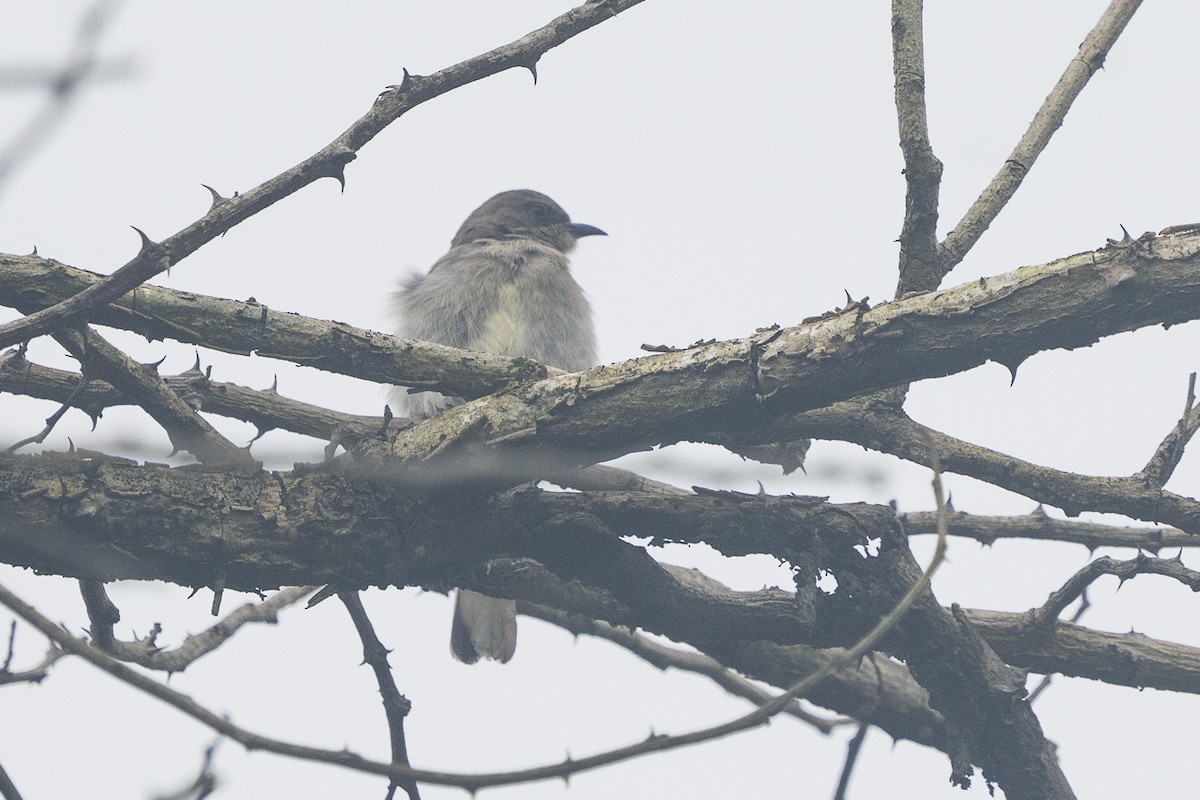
column 504, row 287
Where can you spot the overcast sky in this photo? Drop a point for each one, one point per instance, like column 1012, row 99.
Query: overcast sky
column 743, row 158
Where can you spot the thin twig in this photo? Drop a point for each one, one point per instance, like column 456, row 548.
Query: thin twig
column 1048, row 119
column 36, row 674
column 852, row 750
column 200, row 787
column 1167, row 455
column 146, row 652
column 395, row 705
column 1047, row 614
column 1048, row 678
column 665, row 657
column 8, row 789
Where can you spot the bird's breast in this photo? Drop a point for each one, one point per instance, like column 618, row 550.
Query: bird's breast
column 505, row 330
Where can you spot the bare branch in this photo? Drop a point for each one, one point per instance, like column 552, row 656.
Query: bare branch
column 146, row 652
column 1162, row 464
column 1121, row 659
column 395, row 705
column 265, row 408
column 920, row 269
column 36, row 674
column 852, row 750
column 889, row 431
column 1038, row 525
column 1048, row 119
column 200, row 787
column 1047, row 614
column 141, row 384
column 8, row 789
column 30, row 283
column 13, row 363
column 664, row 658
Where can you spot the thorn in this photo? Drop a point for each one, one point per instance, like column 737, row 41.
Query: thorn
column 34, row 253
column 95, row 420
column 1126, row 239
column 146, row 243
column 1012, row 369
column 70, row 446
column 1039, row 512
column 337, row 165
column 324, row 594
column 260, row 433
column 154, row 365
column 194, row 369
column 218, row 594
column 532, row 67
column 217, row 199
column 274, row 386
column 149, row 245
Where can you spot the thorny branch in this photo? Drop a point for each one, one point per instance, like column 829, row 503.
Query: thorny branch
column 891, row 431
column 142, row 384
column 395, row 705
column 1124, row 570
column 35, row 674
column 31, row 283
column 1166, row 458
column 664, row 657
column 145, row 652
column 329, row 162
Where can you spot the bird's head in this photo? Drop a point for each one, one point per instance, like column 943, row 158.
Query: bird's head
column 524, row 214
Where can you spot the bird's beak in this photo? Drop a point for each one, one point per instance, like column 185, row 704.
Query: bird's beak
column 579, row 230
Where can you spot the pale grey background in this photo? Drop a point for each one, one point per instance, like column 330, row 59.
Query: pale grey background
column 743, row 159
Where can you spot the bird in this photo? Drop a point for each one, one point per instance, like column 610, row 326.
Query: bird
column 504, row 287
